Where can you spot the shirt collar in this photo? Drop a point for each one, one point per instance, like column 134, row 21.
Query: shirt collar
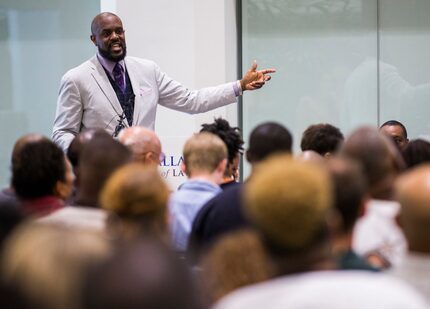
column 108, row 64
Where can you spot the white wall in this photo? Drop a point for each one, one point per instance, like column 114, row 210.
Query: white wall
column 193, row 41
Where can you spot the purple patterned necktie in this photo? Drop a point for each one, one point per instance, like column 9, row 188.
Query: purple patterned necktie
column 118, row 76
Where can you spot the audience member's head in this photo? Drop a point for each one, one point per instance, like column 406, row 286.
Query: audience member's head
column 45, row 263
column 380, row 160
column 99, row 159
column 413, row 193
column 288, row 202
column 397, row 131
column 141, row 275
column 21, row 142
column 322, row 138
column 40, row 169
column 267, row 139
column 75, row 149
column 416, row 152
column 350, row 189
column 8, row 195
column 137, row 197
column 143, row 143
column 205, row 154
column 236, row 260
column 233, row 140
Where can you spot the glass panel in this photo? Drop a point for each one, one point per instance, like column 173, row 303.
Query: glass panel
column 39, row 42
column 404, row 64
column 325, row 53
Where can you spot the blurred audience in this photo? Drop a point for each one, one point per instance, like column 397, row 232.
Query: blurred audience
column 46, row 263
column 282, row 239
column 289, row 202
column 233, row 140
column 74, row 153
column 98, row 159
column 310, row 155
column 42, row 177
column 8, row 195
column 376, row 234
column 416, row 152
column 349, row 201
column 224, row 213
column 205, row 160
column 142, row 274
column 236, row 260
column 136, row 197
column 413, row 193
column 75, row 149
column 323, row 138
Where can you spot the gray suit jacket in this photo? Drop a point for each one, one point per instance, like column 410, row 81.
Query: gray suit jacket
column 87, row 99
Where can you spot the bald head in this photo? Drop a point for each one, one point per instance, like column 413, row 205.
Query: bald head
column 413, row 193
column 143, row 143
column 380, row 160
column 99, row 19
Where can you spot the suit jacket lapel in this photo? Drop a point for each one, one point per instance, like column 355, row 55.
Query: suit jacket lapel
column 131, row 70
column 102, row 80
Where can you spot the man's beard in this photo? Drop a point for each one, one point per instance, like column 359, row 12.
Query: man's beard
column 107, row 54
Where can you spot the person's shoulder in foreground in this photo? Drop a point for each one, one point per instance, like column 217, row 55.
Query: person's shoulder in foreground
column 326, row 289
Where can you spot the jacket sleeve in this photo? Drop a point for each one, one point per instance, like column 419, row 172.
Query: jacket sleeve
column 68, row 116
column 175, row 96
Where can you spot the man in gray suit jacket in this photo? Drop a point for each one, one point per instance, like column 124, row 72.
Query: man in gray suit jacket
column 112, row 91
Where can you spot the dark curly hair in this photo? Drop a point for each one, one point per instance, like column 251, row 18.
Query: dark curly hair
column 321, row 138
column 41, row 164
column 229, row 135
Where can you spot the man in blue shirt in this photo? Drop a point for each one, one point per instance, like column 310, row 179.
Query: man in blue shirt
column 205, row 159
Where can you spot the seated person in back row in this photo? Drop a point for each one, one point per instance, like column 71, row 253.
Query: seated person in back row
column 205, row 159
column 233, row 140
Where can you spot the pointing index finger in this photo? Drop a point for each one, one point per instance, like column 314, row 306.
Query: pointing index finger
column 266, row 71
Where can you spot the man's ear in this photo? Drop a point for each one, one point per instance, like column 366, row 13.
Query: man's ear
column 61, row 190
column 152, row 158
column 93, row 39
column 222, row 166
column 184, row 168
column 248, row 156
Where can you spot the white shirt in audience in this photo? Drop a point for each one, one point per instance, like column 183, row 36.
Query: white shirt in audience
column 377, row 231
column 79, row 217
column 414, row 268
column 326, row 290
